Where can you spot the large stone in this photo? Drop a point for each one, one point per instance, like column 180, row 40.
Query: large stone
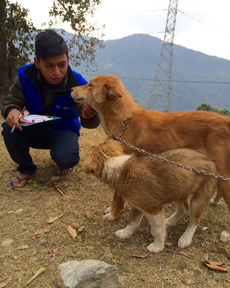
column 87, row 274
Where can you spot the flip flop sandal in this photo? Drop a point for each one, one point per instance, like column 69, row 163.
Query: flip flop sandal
column 63, row 174
column 20, row 180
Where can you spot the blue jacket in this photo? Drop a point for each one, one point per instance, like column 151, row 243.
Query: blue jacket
column 63, row 105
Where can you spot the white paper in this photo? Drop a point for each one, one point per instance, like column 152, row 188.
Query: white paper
column 33, row 118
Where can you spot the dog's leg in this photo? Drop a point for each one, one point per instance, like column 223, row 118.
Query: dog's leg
column 133, row 223
column 186, row 238
column 225, row 235
column 223, row 189
column 198, row 206
column 157, row 224
column 113, row 204
column 182, row 207
column 115, row 209
column 214, row 202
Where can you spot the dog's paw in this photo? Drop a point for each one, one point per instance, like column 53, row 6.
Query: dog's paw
column 108, row 210
column 155, row 248
column 214, row 203
column 184, row 241
column 123, row 234
column 109, row 217
column 224, row 236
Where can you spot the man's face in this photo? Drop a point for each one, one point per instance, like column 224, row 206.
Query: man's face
column 54, row 68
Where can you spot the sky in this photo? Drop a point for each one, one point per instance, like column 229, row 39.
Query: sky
column 201, row 25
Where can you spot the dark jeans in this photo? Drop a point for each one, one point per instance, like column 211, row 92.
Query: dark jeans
column 63, row 145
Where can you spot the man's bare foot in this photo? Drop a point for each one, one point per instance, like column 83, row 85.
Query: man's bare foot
column 20, row 180
column 63, row 172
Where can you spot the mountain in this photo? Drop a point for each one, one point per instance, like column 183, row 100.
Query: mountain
column 135, row 60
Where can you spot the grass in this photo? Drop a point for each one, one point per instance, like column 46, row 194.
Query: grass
column 80, row 198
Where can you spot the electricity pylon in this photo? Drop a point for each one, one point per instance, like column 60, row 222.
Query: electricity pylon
column 162, row 86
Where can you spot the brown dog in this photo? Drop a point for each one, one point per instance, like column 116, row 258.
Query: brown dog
column 156, row 131
column 148, row 184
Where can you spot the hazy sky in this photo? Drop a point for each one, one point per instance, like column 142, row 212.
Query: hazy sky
column 201, row 25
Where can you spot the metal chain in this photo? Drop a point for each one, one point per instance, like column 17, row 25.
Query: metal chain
column 125, row 124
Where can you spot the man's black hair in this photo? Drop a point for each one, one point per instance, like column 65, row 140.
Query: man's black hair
column 49, row 44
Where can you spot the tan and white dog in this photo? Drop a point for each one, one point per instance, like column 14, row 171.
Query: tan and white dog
column 149, row 184
column 156, row 131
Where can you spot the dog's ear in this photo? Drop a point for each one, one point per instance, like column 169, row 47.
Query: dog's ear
column 89, row 165
column 111, row 90
column 93, row 164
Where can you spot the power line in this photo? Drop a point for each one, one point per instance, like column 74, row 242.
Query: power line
column 176, row 81
column 204, row 23
column 147, row 11
column 183, row 13
column 162, row 10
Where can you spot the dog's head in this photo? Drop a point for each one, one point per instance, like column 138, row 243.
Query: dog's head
column 95, row 160
column 98, row 90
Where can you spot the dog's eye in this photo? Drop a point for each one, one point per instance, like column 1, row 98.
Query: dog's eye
column 90, row 85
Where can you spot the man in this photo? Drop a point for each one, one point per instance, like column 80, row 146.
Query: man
column 44, row 88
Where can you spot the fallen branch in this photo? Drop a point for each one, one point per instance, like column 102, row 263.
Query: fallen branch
column 225, row 253
column 181, row 253
column 40, row 271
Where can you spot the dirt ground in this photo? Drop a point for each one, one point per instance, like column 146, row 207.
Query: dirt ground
column 34, row 236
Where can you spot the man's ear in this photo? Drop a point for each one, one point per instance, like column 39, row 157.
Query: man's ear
column 36, row 62
column 111, row 90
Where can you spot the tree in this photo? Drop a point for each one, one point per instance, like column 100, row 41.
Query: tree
column 3, row 44
column 204, row 107
column 17, row 35
column 207, row 107
column 86, row 35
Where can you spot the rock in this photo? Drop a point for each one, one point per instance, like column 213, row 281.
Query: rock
column 7, row 242
column 43, row 241
column 87, row 274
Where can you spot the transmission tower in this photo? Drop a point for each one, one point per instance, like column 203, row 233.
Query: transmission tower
column 162, row 86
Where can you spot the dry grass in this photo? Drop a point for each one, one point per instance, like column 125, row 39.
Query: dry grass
column 81, row 198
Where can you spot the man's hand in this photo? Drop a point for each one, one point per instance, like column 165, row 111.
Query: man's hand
column 88, row 112
column 12, row 119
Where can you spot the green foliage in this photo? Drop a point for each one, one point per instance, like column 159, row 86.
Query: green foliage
column 16, row 38
column 139, row 105
column 36, row 185
column 207, row 107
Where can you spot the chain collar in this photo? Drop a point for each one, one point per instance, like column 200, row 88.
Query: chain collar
column 125, row 124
